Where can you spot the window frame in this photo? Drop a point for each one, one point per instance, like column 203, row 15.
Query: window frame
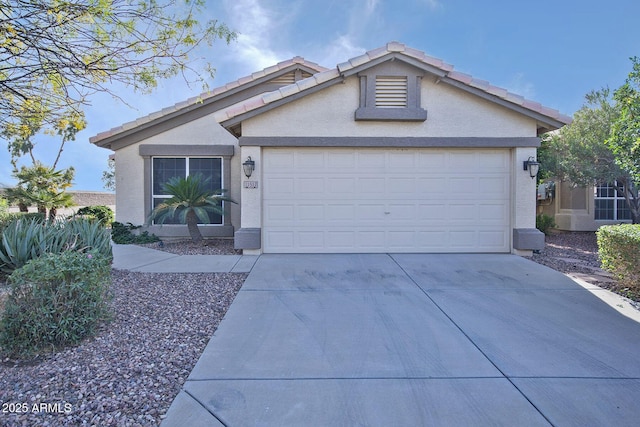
column 154, row 196
column 616, row 200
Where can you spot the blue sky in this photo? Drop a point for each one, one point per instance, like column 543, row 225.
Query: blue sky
column 550, row 51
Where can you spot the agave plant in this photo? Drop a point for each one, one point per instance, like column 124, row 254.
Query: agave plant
column 191, row 202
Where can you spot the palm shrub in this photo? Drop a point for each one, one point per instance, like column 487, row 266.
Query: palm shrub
column 191, row 201
column 55, row 300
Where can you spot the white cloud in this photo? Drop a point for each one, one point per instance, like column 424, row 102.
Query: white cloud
column 433, row 4
column 371, row 6
column 257, row 29
column 341, row 49
column 520, row 86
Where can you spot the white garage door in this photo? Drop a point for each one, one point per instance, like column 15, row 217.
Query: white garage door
column 385, row 200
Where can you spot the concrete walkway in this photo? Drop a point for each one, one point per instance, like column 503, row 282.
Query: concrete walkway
column 138, row 258
column 414, row 339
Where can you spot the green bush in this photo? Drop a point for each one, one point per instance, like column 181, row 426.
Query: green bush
column 55, row 300
column 4, row 207
column 103, row 214
column 22, row 240
column 123, row 234
column 619, row 250
column 14, row 216
column 545, row 223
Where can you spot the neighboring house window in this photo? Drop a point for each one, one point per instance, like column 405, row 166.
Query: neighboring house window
column 165, row 168
column 609, row 205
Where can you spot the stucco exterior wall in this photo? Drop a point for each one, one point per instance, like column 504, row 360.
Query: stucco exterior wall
column 451, row 113
column 129, row 165
column 573, row 209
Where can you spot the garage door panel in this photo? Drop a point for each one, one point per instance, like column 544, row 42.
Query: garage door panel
column 401, row 160
column 280, row 160
column 401, row 213
column 341, row 160
column 433, row 161
column 338, row 212
column 402, row 185
column 311, row 239
column 384, row 200
column 283, row 213
column 341, row 185
column 370, row 159
column 371, row 185
column 431, row 185
column 313, row 185
column 309, row 160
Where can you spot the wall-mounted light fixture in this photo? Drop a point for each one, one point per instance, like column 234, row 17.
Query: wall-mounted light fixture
column 248, row 166
column 532, row 166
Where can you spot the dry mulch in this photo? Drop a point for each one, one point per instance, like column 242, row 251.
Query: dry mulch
column 128, row 374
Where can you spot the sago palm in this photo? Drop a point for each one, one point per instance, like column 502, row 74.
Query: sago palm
column 191, row 201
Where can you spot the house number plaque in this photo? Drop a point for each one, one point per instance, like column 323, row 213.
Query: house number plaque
column 251, row 184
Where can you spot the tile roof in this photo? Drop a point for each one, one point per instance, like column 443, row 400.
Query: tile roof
column 203, row 97
column 324, row 75
column 372, row 55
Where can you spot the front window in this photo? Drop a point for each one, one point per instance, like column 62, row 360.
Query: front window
column 609, row 205
column 165, row 168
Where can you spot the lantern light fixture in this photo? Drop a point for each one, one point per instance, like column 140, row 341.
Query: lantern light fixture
column 532, row 166
column 249, row 166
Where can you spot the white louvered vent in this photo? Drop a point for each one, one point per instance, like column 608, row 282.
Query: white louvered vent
column 285, row 79
column 289, row 78
column 391, row 92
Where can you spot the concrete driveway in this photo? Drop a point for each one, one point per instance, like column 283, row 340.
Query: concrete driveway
column 415, row 339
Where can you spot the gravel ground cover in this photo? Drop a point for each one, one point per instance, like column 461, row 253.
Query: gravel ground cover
column 187, row 247
column 128, row 374
column 575, row 252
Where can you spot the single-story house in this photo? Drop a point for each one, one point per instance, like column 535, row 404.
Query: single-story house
column 390, row 151
column 582, row 208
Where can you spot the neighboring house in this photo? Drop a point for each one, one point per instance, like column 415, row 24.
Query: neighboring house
column 80, row 199
column 584, row 209
column 391, row 151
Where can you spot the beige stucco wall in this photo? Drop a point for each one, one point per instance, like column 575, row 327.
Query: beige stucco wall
column 573, row 209
column 451, row 113
column 130, row 166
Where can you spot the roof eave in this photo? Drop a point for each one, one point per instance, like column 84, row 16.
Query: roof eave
column 545, row 122
column 235, row 120
column 193, row 104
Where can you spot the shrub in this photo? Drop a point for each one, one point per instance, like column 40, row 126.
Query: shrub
column 55, row 300
column 619, row 250
column 87, row 236
column 10, row 217
column 4, row 207
column 545, row 223
column 22, row 240
column 103, row 214
column 123, row 234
